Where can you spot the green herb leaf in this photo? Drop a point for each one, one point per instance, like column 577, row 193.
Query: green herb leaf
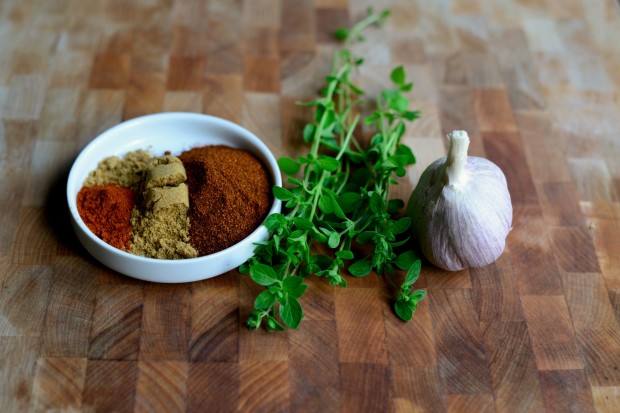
column 413, row 273
column 398, row 75
column 288, row 165
column 264, row 300
column 308, row 133
column 263, row 275
column 341, row 33
column 360, row 268
column 405, row 260
column 345, row 255
column 401, row 225
column 282, row 194
column 403, row 310
column 328, row 163
column 291, row 312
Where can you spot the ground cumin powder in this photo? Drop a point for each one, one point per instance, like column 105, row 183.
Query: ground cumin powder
column 229, row 193
column 125, row 172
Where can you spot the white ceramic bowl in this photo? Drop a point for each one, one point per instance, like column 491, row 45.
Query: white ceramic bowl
column 174, row 132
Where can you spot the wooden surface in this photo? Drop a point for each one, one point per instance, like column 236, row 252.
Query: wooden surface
column 535, row 82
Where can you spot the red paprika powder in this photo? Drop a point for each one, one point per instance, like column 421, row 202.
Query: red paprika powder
column 106, row 211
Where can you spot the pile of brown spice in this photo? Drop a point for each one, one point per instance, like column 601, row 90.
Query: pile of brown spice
column 229, row 193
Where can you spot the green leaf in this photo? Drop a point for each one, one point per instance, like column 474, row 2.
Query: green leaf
column 303, row 223
column 345, row 255
column 405, row 151
column 418, row 295
column 298, row 291
column 282, row 194
column 411, row 115
column 274, row 220
column 328, row 163
column 398, row 75
column 334, row 239
column 350, row 201
column 341, row 33
column 291, row 282
column 335, row 207
column 263, row 274
column 401, row 225
column 273, row 324
column 291, row 312
column 377, row 204
column 403, row 310
column 413, row 273
column 394, row 205
column 360, row 268
column 325, row 204
column 308, row 133
column 405, row 260
column 288, row 166
column 264, row 300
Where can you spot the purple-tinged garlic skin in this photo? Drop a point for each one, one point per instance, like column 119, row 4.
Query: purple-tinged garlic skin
column 461, row 210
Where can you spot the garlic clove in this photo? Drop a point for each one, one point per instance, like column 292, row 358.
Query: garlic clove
column 461, row 210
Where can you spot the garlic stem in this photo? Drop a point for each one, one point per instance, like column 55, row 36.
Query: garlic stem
column 457, row 157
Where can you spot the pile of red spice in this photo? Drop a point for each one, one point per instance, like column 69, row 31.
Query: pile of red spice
column 229, row 196
column 106, row 211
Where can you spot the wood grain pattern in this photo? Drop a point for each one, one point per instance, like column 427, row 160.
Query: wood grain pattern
column 536, row 85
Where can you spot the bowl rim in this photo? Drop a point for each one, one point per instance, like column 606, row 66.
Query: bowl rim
column 269, row 161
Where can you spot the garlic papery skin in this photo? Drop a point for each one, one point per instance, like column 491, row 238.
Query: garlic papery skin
column 460, row 209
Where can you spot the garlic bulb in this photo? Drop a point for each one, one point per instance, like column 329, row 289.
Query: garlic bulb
column 460, row 209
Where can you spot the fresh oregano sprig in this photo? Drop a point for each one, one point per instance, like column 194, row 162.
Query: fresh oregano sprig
column 338, row 196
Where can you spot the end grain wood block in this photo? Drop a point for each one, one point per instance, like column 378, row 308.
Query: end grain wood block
column 145, row 95
column 314, row 373
column 70, row 307
column 438, row 279
column 215, row 324
column 19, row 358
column 456, row 112
column 223, row 96
column 166, row 326
column 101, row 109
column 261, row 74
column 183, row 101
column 297, row 31
column 110, row 385
column 574, row 250
column 606, row 398
column 462, row 362
column 213, row 387
column 417, row 389
column 261, row 113
column 365, row 387
column 115, row 329
column 399, row 337
column 23, row 300
column 72, row 69
column 603, row 222
column 58, row 384
column 493, row 111
column 110, row 71
column 318, row 301
column 536, row 269
column 588, row 301
column 551, row 333
column 162, row 386
column 560, row 204
column 35, row 242
column 259, row 345
column 476, row 402
column 506, row 151
column 495, row 291
column 512, row 366
column 600, row 348
column 566, row 391
column 185, row 73
column 355, row 325
column 264, row 387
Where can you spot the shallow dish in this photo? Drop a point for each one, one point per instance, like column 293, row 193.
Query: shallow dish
column 174, row 132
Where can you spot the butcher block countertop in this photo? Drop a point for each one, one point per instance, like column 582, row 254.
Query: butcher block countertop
column 536, row 83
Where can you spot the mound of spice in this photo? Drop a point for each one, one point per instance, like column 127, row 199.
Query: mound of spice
column 229, row 194
column 106, row 211
column 161, row 226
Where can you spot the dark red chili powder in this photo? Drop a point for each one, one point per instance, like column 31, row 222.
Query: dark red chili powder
column 106, row 211
column 229, row 196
